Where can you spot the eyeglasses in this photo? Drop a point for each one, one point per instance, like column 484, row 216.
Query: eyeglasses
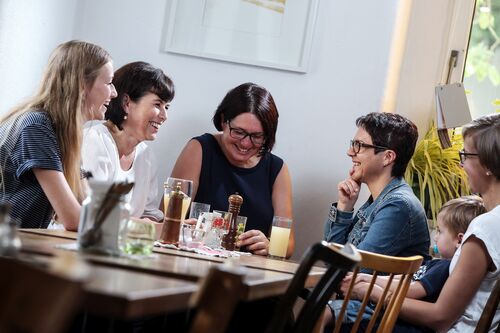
column 257, row 139
column 356, row 146
column 463, row 155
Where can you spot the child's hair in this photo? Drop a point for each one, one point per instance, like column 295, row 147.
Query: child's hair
column 458, row 213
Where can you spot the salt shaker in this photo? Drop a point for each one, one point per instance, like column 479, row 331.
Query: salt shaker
column 229, row 239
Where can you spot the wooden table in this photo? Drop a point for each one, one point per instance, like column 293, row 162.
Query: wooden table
column 125, row 288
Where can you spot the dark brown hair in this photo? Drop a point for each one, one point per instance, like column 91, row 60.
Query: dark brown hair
column 394, row 132
column 135, row 80
column 250, row 97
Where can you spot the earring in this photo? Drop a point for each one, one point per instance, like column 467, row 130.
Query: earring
column 488, row 173
column 125, row 117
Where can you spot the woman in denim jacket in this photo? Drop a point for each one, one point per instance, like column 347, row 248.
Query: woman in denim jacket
column 392, row 221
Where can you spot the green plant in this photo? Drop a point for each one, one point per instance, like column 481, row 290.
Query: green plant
column 434, row 173
column 485, row 40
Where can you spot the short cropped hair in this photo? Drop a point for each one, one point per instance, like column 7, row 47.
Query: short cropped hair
column 485, row 135
column 250, row 97
column 394, row 132
column 457, row 214
column 135, row 80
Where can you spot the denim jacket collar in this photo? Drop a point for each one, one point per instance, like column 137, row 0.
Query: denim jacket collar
column 367, row 208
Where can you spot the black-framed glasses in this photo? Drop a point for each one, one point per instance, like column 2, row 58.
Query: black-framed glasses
column 257, row 138
column 463, row 155
column 357, row 144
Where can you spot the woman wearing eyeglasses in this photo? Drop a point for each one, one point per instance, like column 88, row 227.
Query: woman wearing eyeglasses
column 475, row 267
column 392, row 221
column 239, row 159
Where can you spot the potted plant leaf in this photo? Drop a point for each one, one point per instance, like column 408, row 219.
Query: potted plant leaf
column 435, row 174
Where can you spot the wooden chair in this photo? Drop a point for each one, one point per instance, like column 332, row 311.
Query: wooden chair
column 216, row 300
column 381, row 265
column 489, row 310
column 35, row 299
column 338, row 263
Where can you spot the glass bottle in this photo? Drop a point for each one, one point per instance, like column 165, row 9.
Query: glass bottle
column 173, row 217
column 229, row 239
column 10, row 243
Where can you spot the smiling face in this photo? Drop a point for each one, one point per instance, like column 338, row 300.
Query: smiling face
column 144, row 117
column 241, row 152
column 476, row 172
column 366, row 164
column 100, row 94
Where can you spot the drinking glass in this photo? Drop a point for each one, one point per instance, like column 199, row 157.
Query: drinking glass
column 218, row 228
column 241, row 222
column 280, row 234
column 139, row 238
column 190, row 236
column 197, row 208
column 186, row 187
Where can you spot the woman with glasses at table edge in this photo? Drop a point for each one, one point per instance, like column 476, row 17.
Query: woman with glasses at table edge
column 392, row 221
column 475, row 267
column 239, row 159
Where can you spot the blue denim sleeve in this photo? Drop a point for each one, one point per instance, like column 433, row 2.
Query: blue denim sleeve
column 338, row 225
column 389, row 230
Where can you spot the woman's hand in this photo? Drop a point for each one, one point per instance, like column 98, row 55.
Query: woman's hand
column 255, row 241
column 191, row 221
column 348, row 194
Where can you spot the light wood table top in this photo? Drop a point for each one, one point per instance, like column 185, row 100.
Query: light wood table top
column 127, row 288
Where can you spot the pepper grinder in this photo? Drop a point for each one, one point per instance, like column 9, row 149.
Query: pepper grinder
column 173, row 216
column 229, row 239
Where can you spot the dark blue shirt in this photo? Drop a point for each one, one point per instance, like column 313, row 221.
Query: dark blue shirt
column 30, row 144
column 219, row 179
column 433, row 276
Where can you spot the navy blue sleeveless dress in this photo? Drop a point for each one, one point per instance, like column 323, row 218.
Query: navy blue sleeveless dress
column 219, row 179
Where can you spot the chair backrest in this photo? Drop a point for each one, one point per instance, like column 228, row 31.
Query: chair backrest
column 489, row 310
column 338, row 263
column 381, row 265
column 35, row 299
column 216, row 299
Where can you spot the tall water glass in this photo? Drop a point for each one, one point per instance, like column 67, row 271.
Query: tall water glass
column 280, row 234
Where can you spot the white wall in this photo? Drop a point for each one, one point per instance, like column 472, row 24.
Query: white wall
column 317, row 110
column 29, row 31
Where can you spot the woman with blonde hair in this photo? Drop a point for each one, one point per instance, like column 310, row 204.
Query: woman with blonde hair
column 40, row 140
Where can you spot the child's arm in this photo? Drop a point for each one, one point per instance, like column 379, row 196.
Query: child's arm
column 416, row 289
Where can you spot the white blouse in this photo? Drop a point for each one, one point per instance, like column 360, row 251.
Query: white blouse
column 100, row 156
column 485, row 227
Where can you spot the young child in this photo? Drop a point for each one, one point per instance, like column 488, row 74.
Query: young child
column 452, row 222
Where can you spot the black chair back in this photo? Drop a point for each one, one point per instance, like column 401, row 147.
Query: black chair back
column 337, row 262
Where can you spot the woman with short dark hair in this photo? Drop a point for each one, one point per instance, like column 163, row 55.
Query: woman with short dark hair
column 115, row 151
column 239, row 159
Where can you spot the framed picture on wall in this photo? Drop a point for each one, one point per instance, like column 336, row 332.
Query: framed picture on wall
column 269, row 33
